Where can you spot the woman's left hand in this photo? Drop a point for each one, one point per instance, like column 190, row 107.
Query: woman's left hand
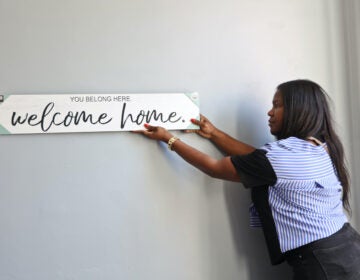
column 156, row 132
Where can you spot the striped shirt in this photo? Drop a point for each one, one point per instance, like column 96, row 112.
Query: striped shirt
column 306, row 199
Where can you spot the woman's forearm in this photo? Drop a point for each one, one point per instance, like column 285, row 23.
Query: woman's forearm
column 229, row 145
column 221, row 169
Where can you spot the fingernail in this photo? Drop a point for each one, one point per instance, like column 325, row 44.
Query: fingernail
column 192, row 120
column 146, row 125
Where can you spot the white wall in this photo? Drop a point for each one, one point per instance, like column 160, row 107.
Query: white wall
column 115, row 205
column 351, row 21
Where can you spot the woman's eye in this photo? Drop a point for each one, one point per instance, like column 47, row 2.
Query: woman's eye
column 277, row 105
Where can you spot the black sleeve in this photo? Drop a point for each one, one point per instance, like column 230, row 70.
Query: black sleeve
column 254, row 169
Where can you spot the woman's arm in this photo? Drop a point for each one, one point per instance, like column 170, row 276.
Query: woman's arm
column 221, row 169
column 229, row 145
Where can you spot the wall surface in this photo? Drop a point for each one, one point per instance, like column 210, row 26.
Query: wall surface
column 115, row 205
column 351, row 21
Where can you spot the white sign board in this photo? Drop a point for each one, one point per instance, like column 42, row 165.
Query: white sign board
column 64, row 113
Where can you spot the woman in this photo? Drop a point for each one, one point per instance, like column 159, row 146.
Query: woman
column 299, row 183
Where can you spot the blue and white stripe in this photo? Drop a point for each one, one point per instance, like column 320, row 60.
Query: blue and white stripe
column 306, row 198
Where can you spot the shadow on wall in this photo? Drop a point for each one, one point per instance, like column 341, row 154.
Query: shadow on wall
column 250, row 242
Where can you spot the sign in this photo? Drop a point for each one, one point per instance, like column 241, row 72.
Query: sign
column 65, row 113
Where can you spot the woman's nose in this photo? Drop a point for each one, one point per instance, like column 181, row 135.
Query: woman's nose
column 270, row 113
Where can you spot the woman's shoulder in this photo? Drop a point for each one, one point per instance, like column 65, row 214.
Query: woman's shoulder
column 292, row 145
column 297, row 158
column 287, row 143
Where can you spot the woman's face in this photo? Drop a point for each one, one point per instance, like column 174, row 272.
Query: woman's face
column 276, row 114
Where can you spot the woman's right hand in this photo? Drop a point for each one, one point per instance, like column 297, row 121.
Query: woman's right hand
column 207, row 129
column 155, row 132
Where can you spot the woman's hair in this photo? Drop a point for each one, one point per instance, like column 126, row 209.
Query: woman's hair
column 307, row 113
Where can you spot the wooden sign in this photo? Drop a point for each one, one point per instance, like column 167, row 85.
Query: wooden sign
column 65, row 113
